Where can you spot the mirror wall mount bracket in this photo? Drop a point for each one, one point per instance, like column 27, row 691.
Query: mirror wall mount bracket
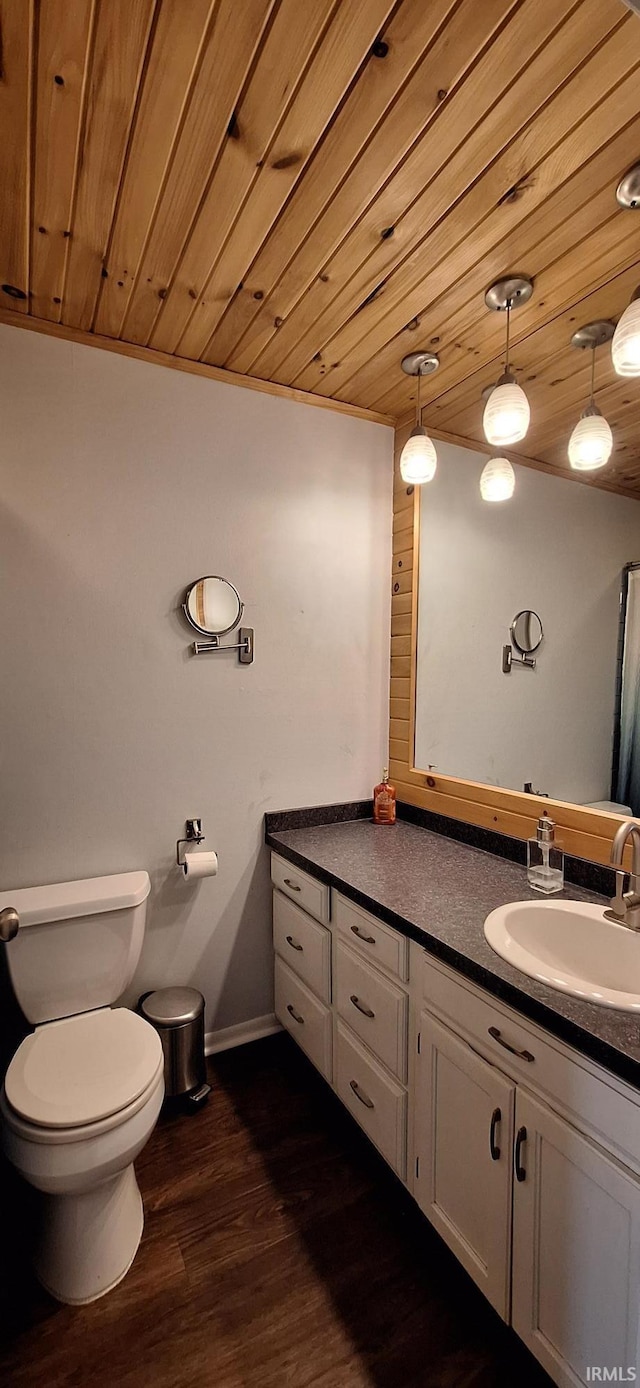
column 244, row 647
column 509, row 656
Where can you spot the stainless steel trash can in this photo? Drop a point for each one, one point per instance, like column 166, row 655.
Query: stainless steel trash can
column 178, row 1016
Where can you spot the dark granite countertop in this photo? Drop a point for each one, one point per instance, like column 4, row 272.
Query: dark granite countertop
column 438, row 892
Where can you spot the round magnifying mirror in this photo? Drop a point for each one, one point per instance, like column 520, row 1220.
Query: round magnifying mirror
column 213, row 606
column 526, row 631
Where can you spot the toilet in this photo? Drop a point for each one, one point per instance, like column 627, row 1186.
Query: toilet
column 83, row 1091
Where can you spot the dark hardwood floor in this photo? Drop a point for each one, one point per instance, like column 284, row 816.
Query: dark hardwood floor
column 278, row 1252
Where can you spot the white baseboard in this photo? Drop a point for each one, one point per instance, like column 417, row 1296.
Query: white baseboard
column 240, row 1034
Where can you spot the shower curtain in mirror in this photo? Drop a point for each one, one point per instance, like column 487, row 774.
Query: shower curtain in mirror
column 627, row 784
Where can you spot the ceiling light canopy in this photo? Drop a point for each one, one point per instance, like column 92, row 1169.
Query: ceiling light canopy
column 498, row 480
column 591, row 442
column 507, row 413
column 419, row 460
column 628, row 190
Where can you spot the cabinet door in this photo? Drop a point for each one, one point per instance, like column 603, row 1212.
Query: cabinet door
column 464, row 1133
column 576, row 1252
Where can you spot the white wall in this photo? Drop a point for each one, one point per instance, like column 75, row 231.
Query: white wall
column 559, row 548
column 121, row 482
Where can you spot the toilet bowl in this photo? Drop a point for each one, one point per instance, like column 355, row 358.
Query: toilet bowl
column 83, row 1092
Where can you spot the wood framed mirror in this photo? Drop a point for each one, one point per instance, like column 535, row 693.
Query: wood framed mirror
column 584, row 831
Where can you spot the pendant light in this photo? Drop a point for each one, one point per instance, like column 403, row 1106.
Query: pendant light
column 419, row 460
column 506, row 413
column 498, row 480
column 625, row 348
column 591, row 442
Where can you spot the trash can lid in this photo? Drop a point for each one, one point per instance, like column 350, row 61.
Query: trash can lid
column 172, row 1007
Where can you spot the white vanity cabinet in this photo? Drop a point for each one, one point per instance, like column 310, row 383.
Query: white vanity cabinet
column 523, row 1154
column 527, row 1162
column 341, row 991
column 464, row 1141
column 576, row 1250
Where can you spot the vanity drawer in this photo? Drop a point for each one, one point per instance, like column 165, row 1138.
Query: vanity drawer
column 308, row 1020
column 374, row 1008
column 599, row 1103
column 306, row 891
column 384, row 946
column 375, row 1100
column 303, row 944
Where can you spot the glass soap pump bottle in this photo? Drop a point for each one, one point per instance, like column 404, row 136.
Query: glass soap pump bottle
column 545, row 861
column 384, row 801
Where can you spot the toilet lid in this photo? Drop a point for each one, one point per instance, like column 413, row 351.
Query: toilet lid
column 83, row 1068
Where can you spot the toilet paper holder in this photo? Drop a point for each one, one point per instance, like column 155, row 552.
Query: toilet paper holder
column 194, row 834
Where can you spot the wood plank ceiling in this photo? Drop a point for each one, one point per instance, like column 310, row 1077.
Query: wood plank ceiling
column 304, row 190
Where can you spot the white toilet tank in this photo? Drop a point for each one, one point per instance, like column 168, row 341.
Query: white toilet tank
column 78, row 943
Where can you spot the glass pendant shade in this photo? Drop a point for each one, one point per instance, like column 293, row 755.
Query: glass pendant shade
column 498, row 480
column 625, row 347
column 506, row 414
column 418, row 460
column 590, row 443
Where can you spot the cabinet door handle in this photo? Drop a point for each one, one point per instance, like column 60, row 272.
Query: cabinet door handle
column 296, row 1015
column 496, row 1118
column 497, row 1036
column 368, row 939
column 366, row 1011
column 520, row 1171
column 364, row 1098
column 292, row 885
column 293, row 943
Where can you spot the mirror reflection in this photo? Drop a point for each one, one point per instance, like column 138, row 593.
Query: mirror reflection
column 567, row 723
column 212, row 605
column 526, row 632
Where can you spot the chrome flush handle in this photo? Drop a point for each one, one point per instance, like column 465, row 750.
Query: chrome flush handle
column 9, row 924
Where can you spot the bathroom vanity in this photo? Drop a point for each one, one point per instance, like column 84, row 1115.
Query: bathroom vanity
column 510, row 1111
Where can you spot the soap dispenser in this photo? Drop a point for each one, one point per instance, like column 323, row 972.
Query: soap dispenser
column 545, row 861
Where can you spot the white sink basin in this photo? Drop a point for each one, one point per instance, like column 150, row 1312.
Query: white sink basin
column 571, row 946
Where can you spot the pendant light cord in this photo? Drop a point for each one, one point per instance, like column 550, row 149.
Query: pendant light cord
column 593, row 374
column 506, row 365
column 418, row 413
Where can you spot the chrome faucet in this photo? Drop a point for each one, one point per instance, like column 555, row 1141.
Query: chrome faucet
column 625, row 906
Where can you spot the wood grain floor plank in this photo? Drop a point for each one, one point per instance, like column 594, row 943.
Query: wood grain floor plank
column 278, row 1252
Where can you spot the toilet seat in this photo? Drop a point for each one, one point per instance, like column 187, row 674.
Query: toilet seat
column 84, row 1071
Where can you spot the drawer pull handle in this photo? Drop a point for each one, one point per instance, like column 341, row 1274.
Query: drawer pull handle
column 364, row 1098
column 520, row 1171
column 368, row 939
column 292, row 885
column 296, row 1015
column 496, row 1118
column 366, row 1011
column 522, row 1055
column 293, row 943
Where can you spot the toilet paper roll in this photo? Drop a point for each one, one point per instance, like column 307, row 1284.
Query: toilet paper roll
column 200, row 865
